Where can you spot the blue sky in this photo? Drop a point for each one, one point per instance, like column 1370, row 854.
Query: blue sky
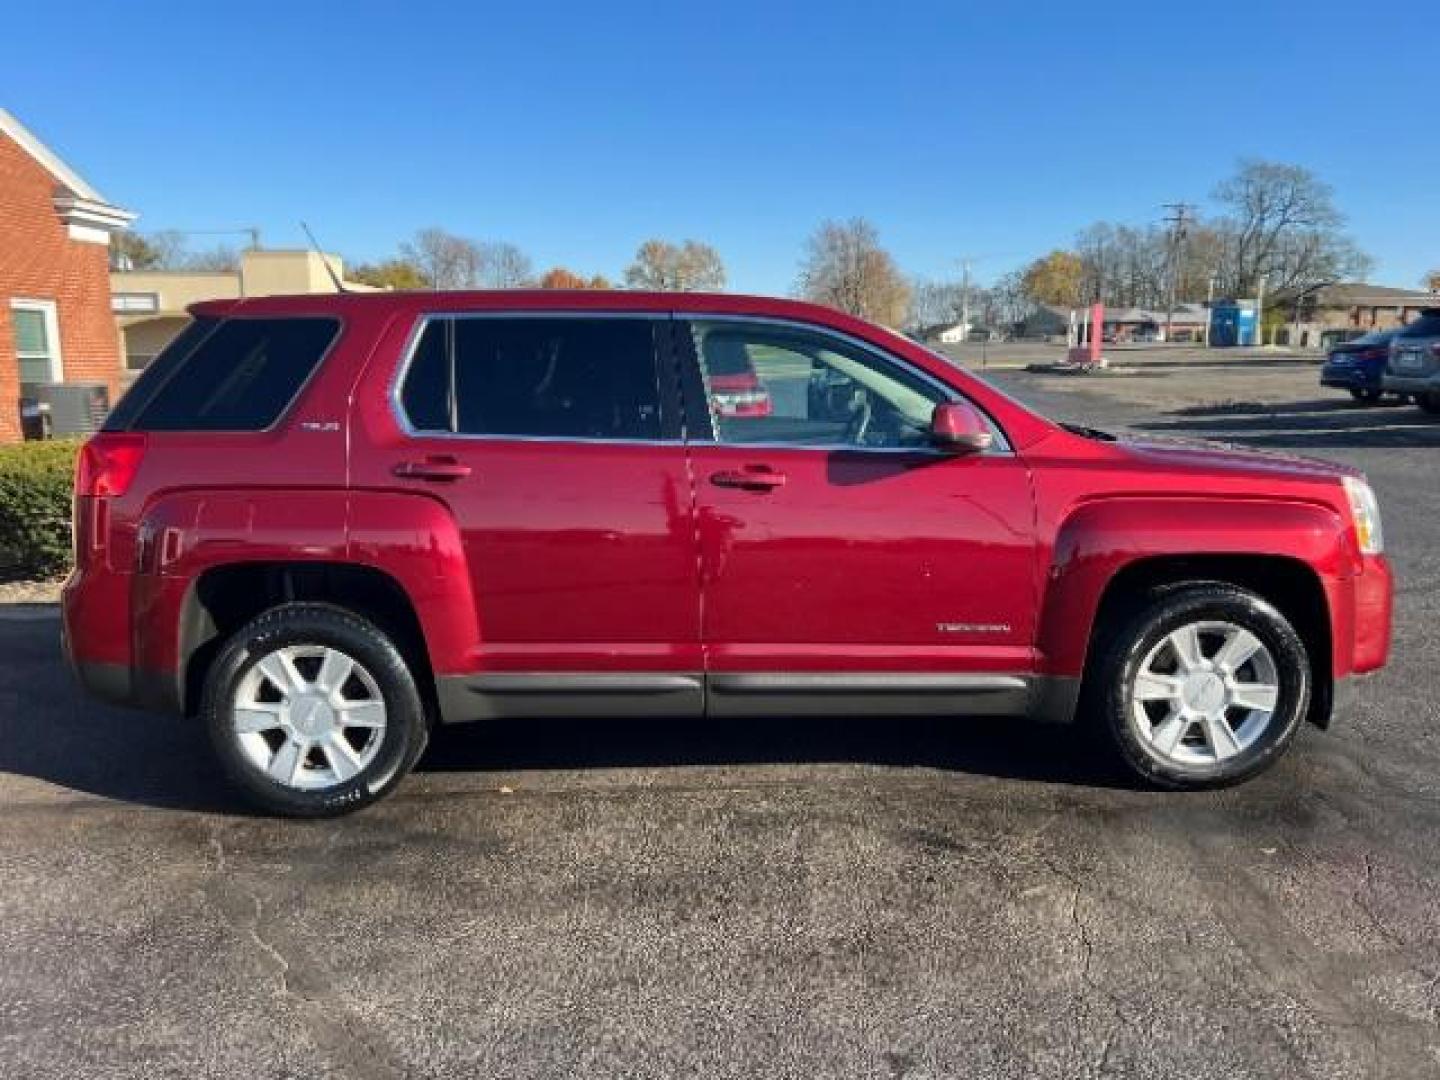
column 577, row 130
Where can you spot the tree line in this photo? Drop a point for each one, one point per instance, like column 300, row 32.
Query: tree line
column 1272, row 226
column 1269, row 222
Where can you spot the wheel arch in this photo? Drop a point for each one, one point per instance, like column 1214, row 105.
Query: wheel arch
column 223, row 598
column 1289, row 584
column 1113, row 552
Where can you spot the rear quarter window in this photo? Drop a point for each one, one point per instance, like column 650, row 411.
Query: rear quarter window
column 227, row 375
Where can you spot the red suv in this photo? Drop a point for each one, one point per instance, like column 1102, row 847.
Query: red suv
column 321, row 524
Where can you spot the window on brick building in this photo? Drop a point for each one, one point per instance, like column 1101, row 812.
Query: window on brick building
column 37, row 340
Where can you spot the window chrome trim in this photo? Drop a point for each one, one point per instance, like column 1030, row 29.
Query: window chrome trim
column 425, row 318
column 1001, row 448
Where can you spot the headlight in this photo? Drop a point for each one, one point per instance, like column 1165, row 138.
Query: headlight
column 1365, row 512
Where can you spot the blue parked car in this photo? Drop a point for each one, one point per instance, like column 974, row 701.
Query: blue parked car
column 1358, row 365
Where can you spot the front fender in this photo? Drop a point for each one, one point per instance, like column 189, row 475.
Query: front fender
column 1100, row 538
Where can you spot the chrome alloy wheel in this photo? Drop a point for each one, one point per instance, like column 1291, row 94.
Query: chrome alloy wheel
column 309, row 716
column 1206, row 692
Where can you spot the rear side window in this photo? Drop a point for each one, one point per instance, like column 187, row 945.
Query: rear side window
column 230, row 375
column 573, row 378
column 1427, row 325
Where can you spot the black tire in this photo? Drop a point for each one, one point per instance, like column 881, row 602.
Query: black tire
column 304, row 624
column 1429, row 403
column 1120, row 660
column 1367, row 397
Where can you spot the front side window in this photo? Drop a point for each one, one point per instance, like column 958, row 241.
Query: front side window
column 778, row 384
column 534, row 377
column 37, row 340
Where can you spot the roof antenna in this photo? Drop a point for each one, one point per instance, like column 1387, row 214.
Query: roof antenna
column 339, row 285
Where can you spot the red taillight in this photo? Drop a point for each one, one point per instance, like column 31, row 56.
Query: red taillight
column 108, row 462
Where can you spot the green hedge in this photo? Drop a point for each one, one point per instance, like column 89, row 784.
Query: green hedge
column 35, row 486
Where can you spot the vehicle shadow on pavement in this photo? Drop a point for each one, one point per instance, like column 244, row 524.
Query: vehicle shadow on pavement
column 51, row 731
column 1002, row 748
column 1303, row 425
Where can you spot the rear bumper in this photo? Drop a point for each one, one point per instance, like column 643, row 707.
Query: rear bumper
column 139, row 688
column 108, row 682
column 1412, row 384
column 95, row 634
column 1350, row 379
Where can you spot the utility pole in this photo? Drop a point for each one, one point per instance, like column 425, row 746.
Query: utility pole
column 965, row 297
column 1260, row 311
column 1209, row 308
column 1179, row 221
column 965, row 261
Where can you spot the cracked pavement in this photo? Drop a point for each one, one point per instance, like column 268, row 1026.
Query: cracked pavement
column 769, row 898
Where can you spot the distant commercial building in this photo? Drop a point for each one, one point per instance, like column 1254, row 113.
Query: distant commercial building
column 1121, row 324
column 952, row 333
column 150, row 305
column 55, row 320
column 1318, row 317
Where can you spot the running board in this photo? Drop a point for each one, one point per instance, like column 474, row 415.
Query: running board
column 681, row 694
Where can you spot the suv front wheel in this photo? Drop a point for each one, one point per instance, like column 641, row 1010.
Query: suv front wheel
column 313, row 711
column 1206, row 686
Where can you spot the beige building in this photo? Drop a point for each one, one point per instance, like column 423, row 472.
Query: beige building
column 150, row 304
column 1319, row 317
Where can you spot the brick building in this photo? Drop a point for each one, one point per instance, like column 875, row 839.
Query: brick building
column 1318, row 317
column 55, row 319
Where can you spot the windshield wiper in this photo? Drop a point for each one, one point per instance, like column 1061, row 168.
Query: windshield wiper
column 1090, row 433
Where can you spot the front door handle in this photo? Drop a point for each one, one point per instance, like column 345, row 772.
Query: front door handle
column 750, row 478
column 435, row 468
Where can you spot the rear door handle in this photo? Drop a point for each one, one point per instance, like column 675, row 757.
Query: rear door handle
column 437, row 468
column 750, row 478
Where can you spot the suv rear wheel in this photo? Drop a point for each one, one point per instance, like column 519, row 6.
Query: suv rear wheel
column 313, row 711
column 1206, row 686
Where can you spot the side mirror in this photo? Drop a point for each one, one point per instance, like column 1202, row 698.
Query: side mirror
column 958, row 427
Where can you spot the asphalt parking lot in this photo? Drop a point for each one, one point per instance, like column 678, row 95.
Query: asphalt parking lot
column 814, row 898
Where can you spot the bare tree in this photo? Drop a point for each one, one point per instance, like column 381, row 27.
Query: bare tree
column 1006, row 304
column 446, row 261
column 166, row 250
column 505, row 266
column 687, row 267
column 221, row 259
column 1282, row 224
column 846, row 267
column 933, row 303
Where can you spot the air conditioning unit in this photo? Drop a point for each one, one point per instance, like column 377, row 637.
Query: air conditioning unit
column 34, row 417
column 74, row 408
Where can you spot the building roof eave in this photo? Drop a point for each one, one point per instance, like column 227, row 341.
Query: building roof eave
column 79, row 205
column 74, row 210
